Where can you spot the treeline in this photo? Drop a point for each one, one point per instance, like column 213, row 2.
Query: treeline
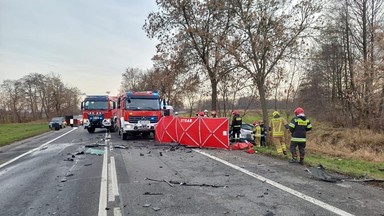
column 35, row 97
column 326, row 56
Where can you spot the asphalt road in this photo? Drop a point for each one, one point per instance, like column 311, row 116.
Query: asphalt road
column 58, row 173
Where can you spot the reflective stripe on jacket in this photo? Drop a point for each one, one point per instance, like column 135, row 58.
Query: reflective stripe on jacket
column 278, row 126
column 257, row 131
column 299, row 127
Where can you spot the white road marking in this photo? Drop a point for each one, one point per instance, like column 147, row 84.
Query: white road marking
column 117, row 211
column 104, row 185
column 280, row 186
column 111, row 196
column 115, row 187
column 35, row 149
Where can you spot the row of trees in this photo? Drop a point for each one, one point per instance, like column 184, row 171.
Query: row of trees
column 323, row 55
column 35, row 97
column 346, row 75
column 238, row 45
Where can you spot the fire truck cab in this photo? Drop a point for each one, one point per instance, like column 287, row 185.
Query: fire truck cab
column 99, row 111
column 138, row 113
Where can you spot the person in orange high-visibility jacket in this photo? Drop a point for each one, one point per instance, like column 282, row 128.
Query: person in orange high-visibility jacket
column 257, row 134
column 278, row 126
column 299, row 126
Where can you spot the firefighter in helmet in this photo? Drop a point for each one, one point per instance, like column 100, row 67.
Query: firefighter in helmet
column 278, row 127
column 236, row 125
column 263, row 140
column 213, row 113
column 206, row 113
column 299, row 126
column 257, row 133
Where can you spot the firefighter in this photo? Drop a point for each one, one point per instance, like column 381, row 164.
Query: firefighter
column 236, row 125
column 263, row 140
column 206, row 113
column 257, row 133
column 214, row 114
column 278, row 127
column 299, row 126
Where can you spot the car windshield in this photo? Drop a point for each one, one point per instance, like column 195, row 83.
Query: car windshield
column 57, row 119
column 246, row 127
column 96, row 105
column 142, row 104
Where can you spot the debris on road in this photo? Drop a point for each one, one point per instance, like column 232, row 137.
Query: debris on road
column 150, row 193
column 69, row 159
column 161, row 154
column 79, row 153
column 93, row 151
column 121, row 147
column 89, row 164
column 156, row 208
column 141, row 154
column 94, row 145
column 63, row 180
column 173, row 183
column 320, row 173
column 146, row 205
column 43, row 147
column 69, row 174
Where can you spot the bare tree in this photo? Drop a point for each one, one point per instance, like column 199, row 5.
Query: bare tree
column 266, row 32
column 201, row 28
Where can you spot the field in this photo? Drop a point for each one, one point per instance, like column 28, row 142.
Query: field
column 14, row 132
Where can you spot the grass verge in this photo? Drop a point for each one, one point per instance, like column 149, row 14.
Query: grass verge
column 346, row 166
column 10, row 133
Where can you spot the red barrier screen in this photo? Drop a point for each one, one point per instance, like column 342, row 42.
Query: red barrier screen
column 196, row 132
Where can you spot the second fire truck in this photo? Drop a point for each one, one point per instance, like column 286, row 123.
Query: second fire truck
column 139, row 112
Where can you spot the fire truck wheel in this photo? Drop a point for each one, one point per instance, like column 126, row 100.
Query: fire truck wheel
column 91, row 129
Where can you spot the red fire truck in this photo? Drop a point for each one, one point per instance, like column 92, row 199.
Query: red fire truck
column 139, row 112
column 99, row 111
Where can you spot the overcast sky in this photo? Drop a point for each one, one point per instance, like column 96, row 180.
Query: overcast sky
column 89, row 43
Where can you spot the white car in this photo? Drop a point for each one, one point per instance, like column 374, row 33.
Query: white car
column 246, row 132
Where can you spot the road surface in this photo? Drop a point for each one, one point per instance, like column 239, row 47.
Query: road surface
column 72, row 172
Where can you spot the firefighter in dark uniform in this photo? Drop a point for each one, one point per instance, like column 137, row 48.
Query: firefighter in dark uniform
column 263, row 133
column 299, row 127
column 236, row 125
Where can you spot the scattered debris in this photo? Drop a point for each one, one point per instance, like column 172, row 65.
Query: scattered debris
column 170, row 184
column 172, row 148
column 94, row 151
column 320, row 173
column 69, row 174
column 149, row 152
column 141, row 154
column 79, row 153
column 69, row 159
column 146, row 205
column 92, row 145
column 160, row 166
column 121, row 147
column 44, row 147
column 161, row 154
column 189, row 151
column 156, row 208
column 107, row 208
column 73, row 156
column 89, row 164
column 150, row 193
column 240, row 195
column 63, row 180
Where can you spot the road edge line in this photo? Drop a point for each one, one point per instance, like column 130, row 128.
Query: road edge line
column 35, row 149
column 280, row 186
column 103, row 198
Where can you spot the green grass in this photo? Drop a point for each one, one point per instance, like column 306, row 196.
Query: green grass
column 14, row 132
column 351, row 167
